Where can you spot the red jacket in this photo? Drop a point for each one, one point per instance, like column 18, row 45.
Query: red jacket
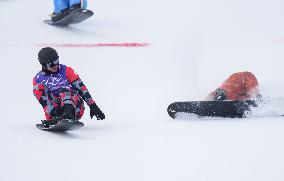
column 239, row 86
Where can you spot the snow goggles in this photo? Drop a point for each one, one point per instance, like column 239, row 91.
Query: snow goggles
column 52, row 64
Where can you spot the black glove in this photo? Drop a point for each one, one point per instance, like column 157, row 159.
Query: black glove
column 95, row 111
column 220, row 95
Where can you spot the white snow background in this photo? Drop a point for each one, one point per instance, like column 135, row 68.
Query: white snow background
column 194, row 46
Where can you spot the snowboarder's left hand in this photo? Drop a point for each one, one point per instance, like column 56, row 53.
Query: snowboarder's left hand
column 95, row 111
column 220, row 95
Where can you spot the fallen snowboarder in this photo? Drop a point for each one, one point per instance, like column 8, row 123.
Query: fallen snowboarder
column 234, row 98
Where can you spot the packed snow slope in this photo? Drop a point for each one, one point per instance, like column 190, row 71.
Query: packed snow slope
column 194, row 46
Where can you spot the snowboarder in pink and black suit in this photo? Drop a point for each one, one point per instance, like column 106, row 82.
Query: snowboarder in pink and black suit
column 60, row 91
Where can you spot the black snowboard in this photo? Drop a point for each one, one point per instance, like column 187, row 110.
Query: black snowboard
column 227, row 109
column 63, row 125
column 76, row 16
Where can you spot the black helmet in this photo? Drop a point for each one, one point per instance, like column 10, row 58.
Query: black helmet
column 47, row 56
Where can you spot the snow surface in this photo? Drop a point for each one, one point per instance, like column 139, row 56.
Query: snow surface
column 195, row 45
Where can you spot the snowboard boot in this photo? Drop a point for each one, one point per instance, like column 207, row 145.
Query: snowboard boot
column 74, row 7
column 59, row 16
column 68, row 112
column 48, row 123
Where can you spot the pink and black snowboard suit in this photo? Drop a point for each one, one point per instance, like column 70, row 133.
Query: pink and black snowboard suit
column 57, row 89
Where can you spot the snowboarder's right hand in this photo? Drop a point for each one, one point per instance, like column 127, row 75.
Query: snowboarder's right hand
column 95, row 111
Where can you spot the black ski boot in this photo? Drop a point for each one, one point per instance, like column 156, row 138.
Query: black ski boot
column 75, row 6
column 56, row 116
column 48, row 123
column 59, row 16
column 68, row 112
